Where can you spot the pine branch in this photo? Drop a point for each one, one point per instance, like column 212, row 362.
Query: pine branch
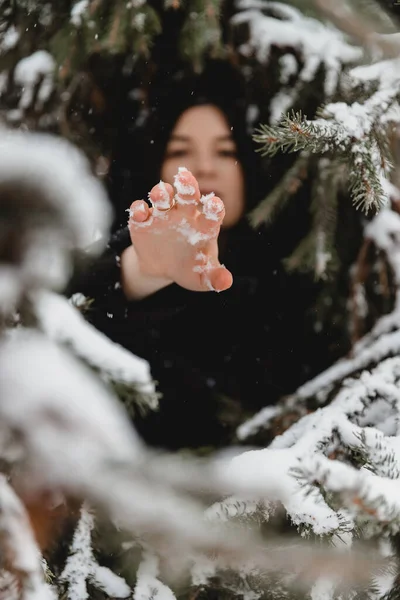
column 324, row 208
column 295, row 133
column 365, row 180
column 201, row 33
column 126, row 374
column 267, row 210
column 316, row 253
column 81, row 567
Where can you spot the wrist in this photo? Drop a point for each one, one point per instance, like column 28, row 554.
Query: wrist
column 136, row 283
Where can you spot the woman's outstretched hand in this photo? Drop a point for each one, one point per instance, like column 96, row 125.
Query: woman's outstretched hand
column 175, row 240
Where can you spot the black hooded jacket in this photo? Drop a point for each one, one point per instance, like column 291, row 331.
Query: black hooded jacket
column 216, row 357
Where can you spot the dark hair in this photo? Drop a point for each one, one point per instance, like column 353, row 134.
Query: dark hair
column 141, row 147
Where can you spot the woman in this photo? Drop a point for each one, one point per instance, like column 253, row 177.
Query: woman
column 216, row 357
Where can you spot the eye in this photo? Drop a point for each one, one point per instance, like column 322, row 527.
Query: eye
column 176, row 153
column 228, row 152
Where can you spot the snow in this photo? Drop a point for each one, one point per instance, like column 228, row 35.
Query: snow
column 79, row 440
column 69, row 421
column 385, row 72
column 384, row 230
column 147, row 584
column 251, row 116
column 8, row 39
column 357, row 118
column 288, row 65
column 163, row 201
column 281, row 103
column 64, row 324
column 273, row 467
column 373, row 492
column 54, row 166
column 50, row 167
column 212, row 207
column 252, row 425
column 204, row 268
column 202, row 570
column 317, row 42
column 301, row 452
column 81, row 566
column 39, row 67
column 78, row 12
column 183, row 187
column 323, row 589
column 191, row 234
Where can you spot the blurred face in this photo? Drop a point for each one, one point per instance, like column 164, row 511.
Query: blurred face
column 202, row 142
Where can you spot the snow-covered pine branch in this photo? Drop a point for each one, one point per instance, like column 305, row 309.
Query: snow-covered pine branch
column 357, row 131
column 337, row 467
column 383, row 340
column 318, row 44
column 45, row 215
column 82, row 568
column 148, row 584
column 349, row 145
column 73, row 437
column 63, row 324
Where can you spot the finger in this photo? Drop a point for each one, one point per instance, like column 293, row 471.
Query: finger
column 162, row 196
column 218, row 278
column 139, row 212
column 213, row 213
column 213, row 275
column 187, row 190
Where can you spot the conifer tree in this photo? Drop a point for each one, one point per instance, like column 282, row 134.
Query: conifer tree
column 313, row 514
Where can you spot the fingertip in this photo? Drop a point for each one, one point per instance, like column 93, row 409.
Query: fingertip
column 213, row 207
column 139, row 211
column 221, row 279
column 186, row 184
column 161, row 196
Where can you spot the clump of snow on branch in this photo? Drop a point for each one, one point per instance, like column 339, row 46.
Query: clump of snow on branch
column 354, row 133
column 78, row 12
column 82, row 568
column 285, row 26
column 276, row 465
column 147, row 583
column 53, row 402
column 64, row 324
column 32, row 71
column 318, row 453
column 8, row 38
column 364, row 417
column 52, row 213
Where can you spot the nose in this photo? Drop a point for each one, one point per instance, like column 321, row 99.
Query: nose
column 204, row 165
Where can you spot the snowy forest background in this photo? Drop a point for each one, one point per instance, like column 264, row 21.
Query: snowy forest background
column 86, row 511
